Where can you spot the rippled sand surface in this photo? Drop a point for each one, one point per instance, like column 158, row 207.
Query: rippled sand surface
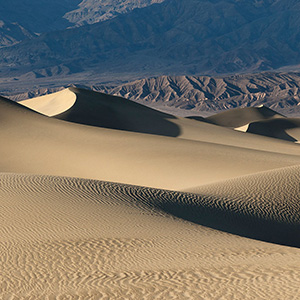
column 187, row 211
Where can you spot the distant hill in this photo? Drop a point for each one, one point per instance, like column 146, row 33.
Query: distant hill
column 205, row 95
column 279, row 91
column 38, row 15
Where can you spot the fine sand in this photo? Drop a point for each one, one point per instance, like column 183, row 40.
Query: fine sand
column 108, row 199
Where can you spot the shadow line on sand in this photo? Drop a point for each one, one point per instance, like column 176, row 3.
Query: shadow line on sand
column 107, row 111
column 236, row 223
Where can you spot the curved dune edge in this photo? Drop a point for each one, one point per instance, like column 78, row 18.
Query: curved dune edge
column 239, row 205
column 52, row 104
column 280, row 128
column 40, row 145
column 62, row 237
column 272, row 198
column 243, row 128
column 239, row 117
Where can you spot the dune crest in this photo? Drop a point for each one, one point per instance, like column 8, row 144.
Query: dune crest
column 52, row 104
column 238, row 117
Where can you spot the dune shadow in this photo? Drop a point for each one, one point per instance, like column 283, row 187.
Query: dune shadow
column 242, row 224
column 274, row 128
column 107, row 111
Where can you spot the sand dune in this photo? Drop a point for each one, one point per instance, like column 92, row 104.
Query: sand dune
column 41, row 145
column 241, row 116
column 105, row 111
column 285, row 129
column 100, row 214
column 91, row 240
column 52, row 104
column 258, row 120
column 266, row 202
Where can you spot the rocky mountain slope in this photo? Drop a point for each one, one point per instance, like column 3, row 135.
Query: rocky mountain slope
column 13, row 33
column 174, row 37
column 93, row 11
column 279, row 91
column 45, row 16
column 204, row 95
column 38, row 15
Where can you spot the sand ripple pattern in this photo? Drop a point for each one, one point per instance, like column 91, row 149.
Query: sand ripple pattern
column 68, row 238
column 264, row 206
column 83, row 270
column 270, row 198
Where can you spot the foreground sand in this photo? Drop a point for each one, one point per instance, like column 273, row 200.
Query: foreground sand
column 65, row 237
column 232, row 234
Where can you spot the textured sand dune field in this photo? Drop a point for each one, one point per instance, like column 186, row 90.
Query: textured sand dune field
column 108, row 199
column 41, row 145
column 104, row 111
column 94, row 240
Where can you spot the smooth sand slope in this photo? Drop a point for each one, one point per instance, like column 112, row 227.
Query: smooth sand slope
column 52, row 104
column 41, row 145
column 105, row 111
column 241, row 116
column 124, row 230
column 64, row 238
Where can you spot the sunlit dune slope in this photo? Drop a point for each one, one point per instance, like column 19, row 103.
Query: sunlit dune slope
column 41, row 145
column 105, row 111
column 52, row 104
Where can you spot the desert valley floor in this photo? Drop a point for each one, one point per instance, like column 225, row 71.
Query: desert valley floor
column 103, row 198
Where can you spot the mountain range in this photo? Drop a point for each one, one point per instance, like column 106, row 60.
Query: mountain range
column 278, row 91
column 170, row 38
column 202, row 95
column 46, row 16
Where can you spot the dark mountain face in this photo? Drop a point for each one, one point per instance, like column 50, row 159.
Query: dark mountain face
column 38, row 15
column 174, row 37
column 44, row 15
column 94, row 11
column 13, row 33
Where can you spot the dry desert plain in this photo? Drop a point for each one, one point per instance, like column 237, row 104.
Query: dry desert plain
column 103, row 198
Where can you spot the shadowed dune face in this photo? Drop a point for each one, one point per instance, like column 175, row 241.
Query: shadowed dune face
column 258, row 120
column 257, row 206
column 241, row 116
column 264, row 205
column 105, row 111
column 37, row 144
column 113, row 112
column 285, row 129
